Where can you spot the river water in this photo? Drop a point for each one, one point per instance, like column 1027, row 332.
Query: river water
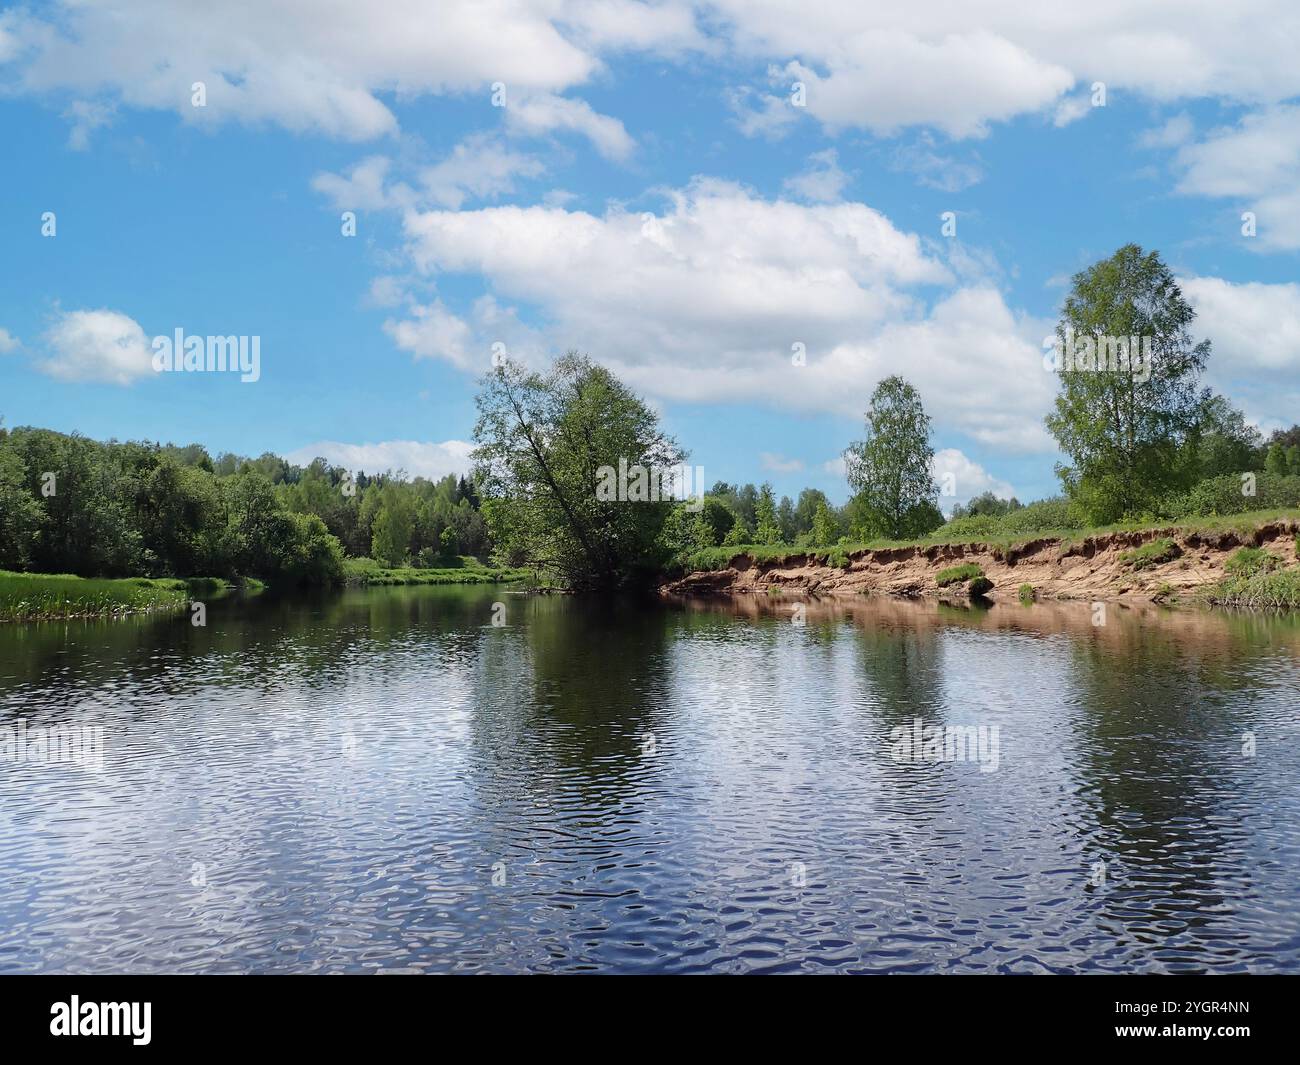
column 385, row 780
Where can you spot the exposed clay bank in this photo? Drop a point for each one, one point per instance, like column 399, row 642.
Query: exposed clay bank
column 1089, row 567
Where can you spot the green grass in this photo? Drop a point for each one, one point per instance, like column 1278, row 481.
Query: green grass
column 1247, row 561
column 1027, row 593
column 1263, row 588
column 470, row 571
column 958, row 574
column 1155, row 553
column 42, row 596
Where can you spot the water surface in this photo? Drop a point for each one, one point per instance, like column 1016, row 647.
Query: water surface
column 383, row 780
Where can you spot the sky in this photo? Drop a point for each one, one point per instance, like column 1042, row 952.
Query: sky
column 750, row 211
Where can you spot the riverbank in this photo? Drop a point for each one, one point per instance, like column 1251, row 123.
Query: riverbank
column 364, row 571
column 54, row 596
column 1194, row 561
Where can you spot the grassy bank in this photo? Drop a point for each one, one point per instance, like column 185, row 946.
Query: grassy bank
column 42, row 596
column 469, row 571
column 716, row 558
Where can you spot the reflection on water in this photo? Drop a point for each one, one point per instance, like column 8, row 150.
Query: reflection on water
column 384, row 780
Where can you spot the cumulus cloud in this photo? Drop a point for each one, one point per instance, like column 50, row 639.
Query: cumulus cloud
column 330, row 67
column 8, row 342
column 541, row 113
column 958, row 68
column 1257, row 163
column 417, row 458
column 100, row 345
column 324, row 67
column 706, row 301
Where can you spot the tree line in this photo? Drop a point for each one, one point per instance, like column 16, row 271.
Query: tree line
column 69, row 504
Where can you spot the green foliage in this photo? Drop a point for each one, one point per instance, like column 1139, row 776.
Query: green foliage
column 1275, row 463
column 766, row 530
column 890, row 468
column 986, row 504
column 42, row 596
column 1247, row 561
column 1027, row 593
column 1154, row 553
column 1226, row 495
column 545, row 444
column 113, row 509
column 979, row 587
column 462, row 570
column 393, row 527
column 1263, row 588
column 823, row 526
column 958, row 574
column 1125, row 431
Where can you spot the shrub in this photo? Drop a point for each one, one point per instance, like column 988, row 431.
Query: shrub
column 1223, row 495
column 979, row 587
column 1156, row 553
column 958, row 574
column 1027, row 593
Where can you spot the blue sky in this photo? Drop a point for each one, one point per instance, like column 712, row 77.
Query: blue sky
column 650, row 193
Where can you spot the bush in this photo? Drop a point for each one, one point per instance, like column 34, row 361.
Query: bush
column 1027, row 593
column 979, row 587
column 1156, row 553
column 1223, row 495
column 958, row 574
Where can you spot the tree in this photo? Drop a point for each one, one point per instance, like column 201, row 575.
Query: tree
column 393, row 527
column 1227, row 443
column 1276, row 463
column 766, row 529
column 824, row 529
column 1124, row 426
column 890, row 469
column 546, row 444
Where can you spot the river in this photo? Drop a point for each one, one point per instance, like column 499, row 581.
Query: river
column 456, row 779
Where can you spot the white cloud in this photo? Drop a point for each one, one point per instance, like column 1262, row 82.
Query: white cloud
column 704, row 301
column 1254, row 330
column 100, row 345
column 541, row 113
column 417, row 458
column 1256, row 162
column 324, row 67
column 8, row 342
column 480, row 167
column 822, row 182
column 363, row 188
column 779, row 463
column 87, row 116
column 960, row 67
column 330, row 67
column 969, row 478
